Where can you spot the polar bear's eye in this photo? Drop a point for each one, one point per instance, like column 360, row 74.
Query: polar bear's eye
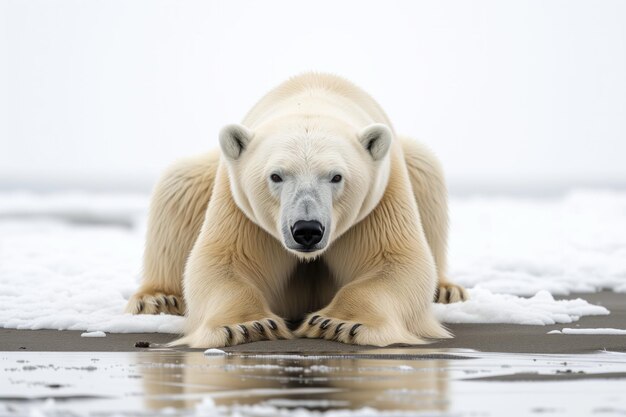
column 276, row 178
column 336, row 179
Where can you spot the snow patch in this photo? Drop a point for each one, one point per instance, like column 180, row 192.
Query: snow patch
column 214, row 352
column 605, row 331
column 541, row 309
column 58, row 274
column 93, row 334
column 575, row 243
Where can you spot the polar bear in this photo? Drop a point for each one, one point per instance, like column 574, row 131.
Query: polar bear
column 315, row 216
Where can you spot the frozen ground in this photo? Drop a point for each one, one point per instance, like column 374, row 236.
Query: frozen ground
column 69, row 261
column 384, row 382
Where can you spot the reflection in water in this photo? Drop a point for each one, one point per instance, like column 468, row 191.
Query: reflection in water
column 182, row 380
column 406, row 381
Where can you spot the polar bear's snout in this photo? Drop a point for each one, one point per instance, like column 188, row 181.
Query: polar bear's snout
column 307, row 233
column 306, row 216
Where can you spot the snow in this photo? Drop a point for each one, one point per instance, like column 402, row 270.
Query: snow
column 93, row 334
column 541, row 309
column 59, row 273
column 604, row 331
column 70, row 261
column 575, row 243
column 213, row 352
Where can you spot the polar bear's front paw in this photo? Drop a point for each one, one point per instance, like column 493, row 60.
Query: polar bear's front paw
column 321, row 327
column 253, row 331
column 447, row 293
column 155, row 303
column 269, row 328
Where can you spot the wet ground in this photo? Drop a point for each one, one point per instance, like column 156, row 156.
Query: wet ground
column 379, row 382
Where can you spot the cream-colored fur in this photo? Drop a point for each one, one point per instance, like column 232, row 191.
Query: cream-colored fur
column 374, row 281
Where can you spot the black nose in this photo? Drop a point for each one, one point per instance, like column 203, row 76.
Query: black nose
column 307, row 232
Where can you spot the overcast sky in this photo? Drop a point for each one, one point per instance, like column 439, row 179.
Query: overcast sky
column 107, row 93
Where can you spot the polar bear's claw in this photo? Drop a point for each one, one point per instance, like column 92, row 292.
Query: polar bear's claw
column 259, row 327
column 244, row 331
column 353, row 329
column 229, row 334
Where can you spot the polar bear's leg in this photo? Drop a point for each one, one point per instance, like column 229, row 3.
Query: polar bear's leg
column 235, row 268
column 177, row 210
column 429, row 188
column 387, row 277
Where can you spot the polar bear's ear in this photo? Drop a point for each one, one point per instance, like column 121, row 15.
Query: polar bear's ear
column 234, row 139
column 376, row 139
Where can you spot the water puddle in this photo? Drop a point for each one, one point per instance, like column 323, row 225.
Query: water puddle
column 383, row 382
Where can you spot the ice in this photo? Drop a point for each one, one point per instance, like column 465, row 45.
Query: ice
column 605, row 331
column 93, row 334
column 70, row 261
column 214, row 352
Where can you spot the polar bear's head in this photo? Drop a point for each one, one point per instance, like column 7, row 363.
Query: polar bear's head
column 307, row 180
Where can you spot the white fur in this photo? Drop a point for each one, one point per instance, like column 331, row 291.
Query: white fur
column 373, row 280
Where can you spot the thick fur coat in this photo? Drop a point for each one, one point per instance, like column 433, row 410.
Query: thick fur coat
column 224, row 244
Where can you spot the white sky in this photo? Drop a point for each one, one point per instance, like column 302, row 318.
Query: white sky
column 107, row 93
